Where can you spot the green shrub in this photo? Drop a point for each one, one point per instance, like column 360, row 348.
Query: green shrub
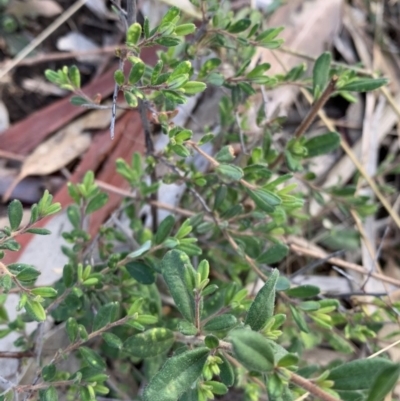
column 211, row 333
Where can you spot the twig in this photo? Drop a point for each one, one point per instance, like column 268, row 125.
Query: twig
column 314, row 265
column 310, row 117
column 358, row 165
column 311, row 387
column 359, row 70
column 340, row 262
column 92, row 335
column 241, row 134
column 40, row 38
column 28, row 387
column 214, row 163
column 131, row 10
column 56, row 56
column 16, row 355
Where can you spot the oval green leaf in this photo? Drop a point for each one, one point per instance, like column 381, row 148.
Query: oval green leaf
column 177, row 272
column 92, row 358
column 274, row 254
column 303, row 291
column 164, row 229
column 150, row 343
column 15, row 213
column 176, row 376
column 322, row 144
column 142, row 272
column 35, row 310
column 222, row 322
column 262, row 308
column 252, row 350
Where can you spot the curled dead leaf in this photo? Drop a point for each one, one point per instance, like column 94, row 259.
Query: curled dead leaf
column 62, row 148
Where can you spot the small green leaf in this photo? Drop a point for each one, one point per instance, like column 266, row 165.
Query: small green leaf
column 139, row 252
column 75, row 76
column 185, row 29
column 193, row 87
column 50, row 394
column 48, row 372
column 150, row 343
column 303, row 291
column 269, row 34
column 35, row 310
column 225, row 155
column 180, row 150
column 208, row 66
column 288, row 360
column 105, row 315
column 53, row 76
column 364, row 85
column 176, row 376
column 321, row 73
column 136, row 72
column 274, row 254
column 258, row 70
column 216, row 79
column 133, row 34
column 230, row 171
column 339, row 344
column 10, row 245
column 211, row 341
column 119, row 77
column 28, row 274
column 177, row 272
column 187, row 328
column 15, row 212
column 359, row 375
column 92, row 358
column 131, row 99
column 141, row 271
column 38, row 231
column 227, row 374
column 156, row 71
column 171, row 15
column 299, row 319
column 78, row 100
column 252, row 350
column 68, row 275
column 45, row 292
column 112, row 340
column 262, row 308
column 384, row 382
column 240, row 26
column 74, row 215
column 322, row 144
column 164, row 229
column 217, row 388
column 168, row 41
column 177, row 82
column 97, row 202
column 264, row 199
column 309, row 306
column 222, row 322
column 72, row 329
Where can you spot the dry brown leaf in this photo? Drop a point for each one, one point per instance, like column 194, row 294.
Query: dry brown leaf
column 63, row 147
column 33, row 8
column 309, row 27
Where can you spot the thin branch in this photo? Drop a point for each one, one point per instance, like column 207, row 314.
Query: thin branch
column 92, row 335
column 340, row 262
column 17, row 354
column 311, row 387
column 131, row 10
column 310, row 117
